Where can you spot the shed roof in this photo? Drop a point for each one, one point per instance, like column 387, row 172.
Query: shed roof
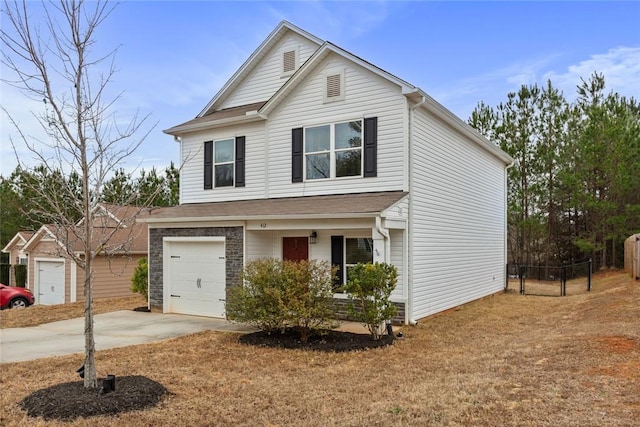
column 329, row 206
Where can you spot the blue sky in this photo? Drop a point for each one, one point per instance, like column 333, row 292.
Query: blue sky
column 174, row 56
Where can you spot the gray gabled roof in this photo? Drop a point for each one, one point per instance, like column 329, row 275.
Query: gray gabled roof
column 306, row 207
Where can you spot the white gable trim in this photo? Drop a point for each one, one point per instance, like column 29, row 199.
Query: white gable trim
column 13, row 242
column 253, row 60
column 42, row 234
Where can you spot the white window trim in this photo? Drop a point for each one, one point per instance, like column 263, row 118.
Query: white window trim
column 328, row 73
column 332, row 150
column 232, row 162
column 346, row 236
column 296, row 51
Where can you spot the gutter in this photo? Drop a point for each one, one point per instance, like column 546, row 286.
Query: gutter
column 249, row 117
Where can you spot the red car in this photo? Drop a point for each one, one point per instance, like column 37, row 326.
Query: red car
column 14, row 297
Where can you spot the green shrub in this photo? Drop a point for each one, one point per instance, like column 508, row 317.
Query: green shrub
column 140, row 278
column 284, row 294
column 369, row 290
column 20, row 271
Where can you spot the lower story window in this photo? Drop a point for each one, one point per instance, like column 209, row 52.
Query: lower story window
column 358, row 250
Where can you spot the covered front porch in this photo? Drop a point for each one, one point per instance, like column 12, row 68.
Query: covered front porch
column 213, row 241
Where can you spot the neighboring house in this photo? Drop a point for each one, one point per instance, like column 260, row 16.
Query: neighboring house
column 310, row 152
column 17, row 256
column 54, row 278
column 632, row 256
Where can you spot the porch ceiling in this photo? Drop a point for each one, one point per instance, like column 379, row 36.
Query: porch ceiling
column 331, row 206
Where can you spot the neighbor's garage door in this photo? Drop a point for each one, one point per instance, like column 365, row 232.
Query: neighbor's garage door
column 196, row 278
column 50, row 282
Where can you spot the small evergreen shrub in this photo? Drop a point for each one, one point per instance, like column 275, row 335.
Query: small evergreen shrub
column 284, row 294
column 369, row 290
column 20, row 271
column 140, row 278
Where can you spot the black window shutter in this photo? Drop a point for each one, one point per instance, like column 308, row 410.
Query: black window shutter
column 337, row 258
column 208, row 165
column 240, row 142
column 297, row 156
column 370, row 147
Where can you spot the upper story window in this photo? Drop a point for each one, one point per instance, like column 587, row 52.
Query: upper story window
column 223, row 163
column 336, row 150
column 333, row 150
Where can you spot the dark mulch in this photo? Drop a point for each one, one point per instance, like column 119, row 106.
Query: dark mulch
column 71, row 400
column 142, row 309
column 329, row 341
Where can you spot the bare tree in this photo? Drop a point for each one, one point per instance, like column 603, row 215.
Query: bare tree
column 52, row 60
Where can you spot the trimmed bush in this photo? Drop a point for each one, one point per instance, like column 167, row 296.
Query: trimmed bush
column 284, row 294
column 369, row 290
column 20, row 271
column 140, row 278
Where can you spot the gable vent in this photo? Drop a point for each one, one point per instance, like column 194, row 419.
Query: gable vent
column 333, row 86
column 289, row 61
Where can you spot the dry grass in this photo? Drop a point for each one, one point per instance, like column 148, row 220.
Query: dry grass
column 504, row 360
column 38, row 314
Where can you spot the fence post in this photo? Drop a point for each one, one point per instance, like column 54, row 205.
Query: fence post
column 589, row 276
column 521, row 275
column 563, row 280
column 506, row 278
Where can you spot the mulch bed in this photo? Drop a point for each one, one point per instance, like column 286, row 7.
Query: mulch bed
column 329, row 341
column 71, row 400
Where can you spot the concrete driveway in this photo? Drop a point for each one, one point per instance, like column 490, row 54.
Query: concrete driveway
column 111, row 330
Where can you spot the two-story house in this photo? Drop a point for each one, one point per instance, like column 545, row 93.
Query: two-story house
column 310, row 152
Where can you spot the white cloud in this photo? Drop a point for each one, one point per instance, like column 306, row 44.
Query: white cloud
column 620, row 67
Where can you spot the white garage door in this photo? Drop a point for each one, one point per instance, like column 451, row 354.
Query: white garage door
column 196, row 278
column 50, row 282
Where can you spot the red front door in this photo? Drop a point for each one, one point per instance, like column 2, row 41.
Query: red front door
column 295, row 248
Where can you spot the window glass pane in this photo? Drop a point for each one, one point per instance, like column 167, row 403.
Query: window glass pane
column 224, row 151
column 359, row 250
column 224, row 175
column 318, row 166
column 348, row 135
column 317, row 139
column 348, row 163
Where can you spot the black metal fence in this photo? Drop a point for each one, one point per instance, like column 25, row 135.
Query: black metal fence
column 568, row 279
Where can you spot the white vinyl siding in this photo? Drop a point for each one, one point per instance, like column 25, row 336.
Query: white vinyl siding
column 458, row 218
column 192, row 173
column 260, row 244
column 266, row 78
column 397, row 256
column 366, row 95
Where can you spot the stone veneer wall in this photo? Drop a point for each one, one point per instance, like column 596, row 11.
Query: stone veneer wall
column 342, row 312
column 233, row 255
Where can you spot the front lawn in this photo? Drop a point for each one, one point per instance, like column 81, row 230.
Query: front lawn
column 504, row 360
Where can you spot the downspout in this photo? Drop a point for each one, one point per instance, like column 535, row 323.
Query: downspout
column 408, row 317
column 387, row 240
column 506, row 221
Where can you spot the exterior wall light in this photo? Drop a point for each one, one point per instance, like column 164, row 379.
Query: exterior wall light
column 313, row 237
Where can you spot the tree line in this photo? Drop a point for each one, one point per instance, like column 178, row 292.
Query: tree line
column 27, row 197
column 574, row 188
